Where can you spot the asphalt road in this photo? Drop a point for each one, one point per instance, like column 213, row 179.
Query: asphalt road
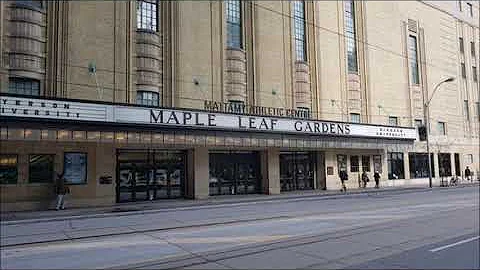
column 428, row 230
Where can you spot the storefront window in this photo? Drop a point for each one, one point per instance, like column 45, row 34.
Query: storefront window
column 377, row 163
column 342, row 163
column 444, row 164
column 419, row 165
column 75, row 168
column 41, row 168
column 365, row 163
column 8, row 169
column 396, row 169
column 354, row 165
column 296, row 171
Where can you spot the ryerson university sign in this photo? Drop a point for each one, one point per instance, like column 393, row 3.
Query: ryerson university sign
column 13, row 106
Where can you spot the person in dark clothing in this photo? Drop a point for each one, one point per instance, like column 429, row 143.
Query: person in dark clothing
column 60, row 190
column 343, row 177
column 376, row 175
column 467, row 173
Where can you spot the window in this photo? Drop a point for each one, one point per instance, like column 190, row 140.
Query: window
column 464, row 71
column 396, row 169
column 474, row 73
column 148, row 98
column 413, row 59
column 355, row 117
column 393, row 121
column 234, row 24
column 354, row 165
column 478, row 109
column 8, row 169
column 472, row 48
column 460, row 41
column 31, row 3
column 147, row 15
column 444, row 164
column 40, row 168
column 419, row 165
column 377, row 163
column 350, row 36
column 418, row 123
column 299, row 28
column 469, row 158
column 75, row 168
column 365, row 163
column 470, row 9
column 23, row 86
column 466, row 110
column 460, row 5
column 342, row 163
column 441, row 128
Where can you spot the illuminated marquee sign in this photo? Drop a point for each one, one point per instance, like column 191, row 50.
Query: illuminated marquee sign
column 11, row 106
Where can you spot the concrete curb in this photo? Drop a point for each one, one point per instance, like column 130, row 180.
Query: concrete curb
column 218, row 204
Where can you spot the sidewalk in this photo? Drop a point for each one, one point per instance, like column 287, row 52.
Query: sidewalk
column 8, row 218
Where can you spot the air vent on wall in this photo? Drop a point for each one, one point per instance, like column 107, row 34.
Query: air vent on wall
column 412, row 25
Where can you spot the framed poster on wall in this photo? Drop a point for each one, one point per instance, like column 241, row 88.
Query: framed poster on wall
column 75, row 168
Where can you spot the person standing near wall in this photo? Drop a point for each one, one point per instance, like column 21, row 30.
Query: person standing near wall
column 61, row 190
column 376, row 176
column 467, row 173
column 343, row 177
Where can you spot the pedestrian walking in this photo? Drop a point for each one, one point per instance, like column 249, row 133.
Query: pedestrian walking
column 61, row 190
column 365, row 179
column 343, row 177
column 468, row 173
column 376, row 176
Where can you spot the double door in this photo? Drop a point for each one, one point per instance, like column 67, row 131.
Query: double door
column 150, row 175
column 297, row 171
column 234, row 173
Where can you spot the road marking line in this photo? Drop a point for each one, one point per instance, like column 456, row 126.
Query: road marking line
column 455, row 244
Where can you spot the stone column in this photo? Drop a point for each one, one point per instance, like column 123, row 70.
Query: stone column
column 270, row 167
column 406, row 166
column 198, row 173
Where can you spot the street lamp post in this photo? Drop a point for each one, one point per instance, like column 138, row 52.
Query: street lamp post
column 426, row 112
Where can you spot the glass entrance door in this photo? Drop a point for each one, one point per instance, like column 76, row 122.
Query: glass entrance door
column 150, row 175
column 297, row 171
column 235, row 173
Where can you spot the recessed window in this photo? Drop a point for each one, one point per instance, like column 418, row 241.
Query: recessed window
column 365, row 163
column 350, row 36
column 468, row 158
column 470, row 9
column 418, row 122
column 460, row 42
column 472, row 48
column 355, row 117
column 341, row 163
column 299, row 30
column 466, row 111
column 393, row 121
column 441, row 128
column 354, row 164
column 464, row 70
column 459, row 5
column 419, row 165
column 478, row 109
column 148, row 98
column 8, row 169
column 24, row 86
column 444, row 164
column 40, row 169
column 413, row 59
column 396, row 169
column 147, row 15
column 234, row 24
column 75, row 168
column 474, row 73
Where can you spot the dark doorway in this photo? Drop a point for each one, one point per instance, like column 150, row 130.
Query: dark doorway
column 150, row 175
column 458, row 172
column 297, row 171
column 234, row 173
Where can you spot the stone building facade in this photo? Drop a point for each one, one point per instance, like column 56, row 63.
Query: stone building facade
column 368, row 65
